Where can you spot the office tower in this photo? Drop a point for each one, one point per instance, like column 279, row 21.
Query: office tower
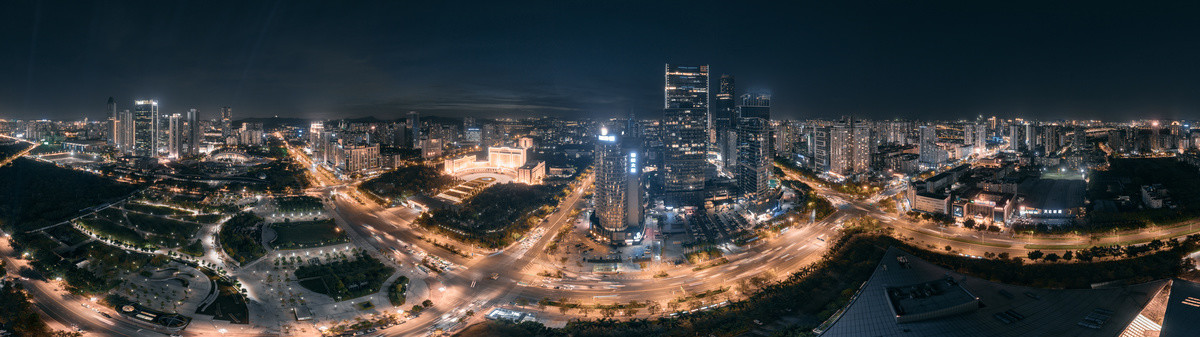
column 193, row 135
column 685, row 111
column 316, row 132
column 929, row 156
column 145, row 122
column 114, row 127
column 617, row 194
column 753, row 157
column 226, row 123
column 174, row 135
column 724, row 123
column 361, row 157
column 414, row 124
column 129, row 133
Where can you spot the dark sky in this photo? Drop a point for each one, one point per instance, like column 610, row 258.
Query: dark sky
column 906, row 59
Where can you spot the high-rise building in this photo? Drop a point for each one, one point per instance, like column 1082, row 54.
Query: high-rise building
column 226, row 123
column 847, row 147
column 174, row 135
column 194, row 135
column 414, row 124
column 360, row 158
column 617, row 194
column 753, row 151
column 1051, row 139
column 685, row 111
column 930, row 155
column 145, row 128
column 724, row 125
column 113, row 124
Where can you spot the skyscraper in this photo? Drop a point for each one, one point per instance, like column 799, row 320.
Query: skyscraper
column 847, row 147
column 685, row 111
column 174, row 135
column 724, row 124
column 753, row 151
column 414, row 123
column 226, row 123
column 126, row 129
column 145, row 127
column 617, row 197
column 193, row 134
column 114, row 125
column 930, row 156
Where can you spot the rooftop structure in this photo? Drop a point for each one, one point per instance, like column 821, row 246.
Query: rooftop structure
column 996, row 310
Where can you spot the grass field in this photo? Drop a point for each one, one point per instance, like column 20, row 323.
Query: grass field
column 307, row 234
column 163, row 226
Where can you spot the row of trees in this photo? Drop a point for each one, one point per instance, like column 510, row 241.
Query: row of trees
column 407, row 181
column 495, row 217
column 345, row 279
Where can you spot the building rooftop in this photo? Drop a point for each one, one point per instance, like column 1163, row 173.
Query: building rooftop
column 1003, row 310
column 1182, row 317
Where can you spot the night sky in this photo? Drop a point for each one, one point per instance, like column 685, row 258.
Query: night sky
column 892, row 59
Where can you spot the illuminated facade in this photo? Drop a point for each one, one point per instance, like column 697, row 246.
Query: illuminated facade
column 617, row 197
column 360, row 158
column 724, row 124
column 753, row 157
column 685, row 119
column 145, row 128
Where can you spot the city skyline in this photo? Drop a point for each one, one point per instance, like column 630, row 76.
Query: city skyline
column 822, row 61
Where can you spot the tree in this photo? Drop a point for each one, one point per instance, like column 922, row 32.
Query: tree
column 970, row 223
column 1034, row 255
column 948, row 248
column 1003, row 255
column 1052, row 257
column 1068, row 255
column 427, row 303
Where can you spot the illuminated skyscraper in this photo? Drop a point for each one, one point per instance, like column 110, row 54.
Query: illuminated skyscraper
column 685, row 111
column 617, row 197
column 414, row 124
column 226, row 123
column 193, row 135
column 724, row 125
column 174, row 135
column 845, row 148
column 753, row 159
column 145, row 128
column 113, row 123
